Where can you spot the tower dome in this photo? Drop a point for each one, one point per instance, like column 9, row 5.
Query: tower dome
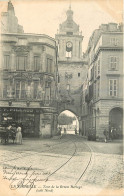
column 69, row 25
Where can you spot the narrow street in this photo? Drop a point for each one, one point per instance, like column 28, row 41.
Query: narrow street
column 69, row 163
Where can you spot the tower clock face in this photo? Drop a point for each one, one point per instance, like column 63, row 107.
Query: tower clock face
column 69, row 44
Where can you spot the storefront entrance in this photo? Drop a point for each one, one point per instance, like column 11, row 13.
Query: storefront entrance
column 29, row 120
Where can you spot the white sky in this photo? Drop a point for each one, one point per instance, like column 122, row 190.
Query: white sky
column 44, row 16
column 67, row 112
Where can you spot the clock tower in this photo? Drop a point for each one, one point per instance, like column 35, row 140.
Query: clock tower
column 71, row 67
column 69, row 39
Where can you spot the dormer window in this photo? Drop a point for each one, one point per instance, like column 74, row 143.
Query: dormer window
column 114, row 41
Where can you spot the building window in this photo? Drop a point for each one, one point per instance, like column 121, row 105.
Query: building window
column 36, row 63
column 5, row 88
column 48, row 93
column 68, row 87
column 94, row 91
column 113, row 41
column 79, row 74
column 95, row 70
column 6, row 61
column 49, row 65
column 113, row 87
column 98, row 67
column 36, row 83
column 113, row 63
column 92, row 74
column 17, row 89
column 23, row 93
column 5, row 91
column 98, row 88
column 21, row 63
column 20, row 89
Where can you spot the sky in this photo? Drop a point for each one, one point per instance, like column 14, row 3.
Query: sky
column 67, row 112
column 44, row 16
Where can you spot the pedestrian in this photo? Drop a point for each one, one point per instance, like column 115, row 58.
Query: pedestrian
column 13, row 134
column 106, row 134
column 75, row 131
column 8, row 134
column 64, row 130
column 19, row 135
column 111, row 133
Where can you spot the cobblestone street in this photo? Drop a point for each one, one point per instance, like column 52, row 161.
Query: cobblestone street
column 69, row 163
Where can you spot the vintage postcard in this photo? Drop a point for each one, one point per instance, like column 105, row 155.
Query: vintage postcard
column 61, row 97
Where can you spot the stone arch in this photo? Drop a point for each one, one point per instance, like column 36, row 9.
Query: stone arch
column 115, row 106
column 116, row 121
column 70, row 110
column 76, row 124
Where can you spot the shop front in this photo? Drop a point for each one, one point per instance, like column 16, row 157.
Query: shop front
column 28, row 119
column 35, row 122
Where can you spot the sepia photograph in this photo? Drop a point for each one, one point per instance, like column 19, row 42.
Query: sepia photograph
column 61, row 98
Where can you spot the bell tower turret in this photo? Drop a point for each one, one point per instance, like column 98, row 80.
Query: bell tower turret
column 69, row 39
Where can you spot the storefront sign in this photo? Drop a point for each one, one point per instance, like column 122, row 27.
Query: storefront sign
column 18, row 110
column 29, row 110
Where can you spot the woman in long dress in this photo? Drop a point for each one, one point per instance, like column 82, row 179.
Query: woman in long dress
column 19, row 135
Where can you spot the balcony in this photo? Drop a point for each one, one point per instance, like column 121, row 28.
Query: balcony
column 48, row 103
column 25, row 102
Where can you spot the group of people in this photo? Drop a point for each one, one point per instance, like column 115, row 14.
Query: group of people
column 109, row 134
column 17, row 134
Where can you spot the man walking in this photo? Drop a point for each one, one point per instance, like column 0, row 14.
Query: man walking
column 106, row 134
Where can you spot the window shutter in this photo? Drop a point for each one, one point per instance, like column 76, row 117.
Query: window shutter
column 109, row 62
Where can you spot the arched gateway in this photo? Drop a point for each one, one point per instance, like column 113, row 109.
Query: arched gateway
column 116, row 121
column 69, row 121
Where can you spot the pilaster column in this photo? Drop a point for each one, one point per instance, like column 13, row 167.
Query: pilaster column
column 44, row 66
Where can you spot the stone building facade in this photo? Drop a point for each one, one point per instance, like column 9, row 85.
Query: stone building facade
column 29, row 79
column 102, row 91
column 71, row 67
